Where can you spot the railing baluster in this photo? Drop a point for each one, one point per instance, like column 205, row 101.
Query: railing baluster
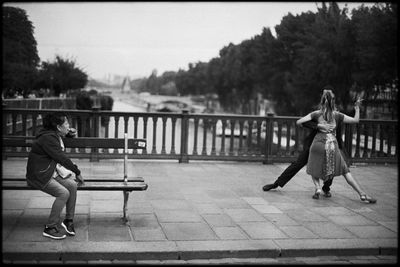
column 205, row 125
column 222, row 152
column 366, row 130
column 240, row 151
column 116, row 125
column 106, row 131
column 248, row 150
column 381, row 136
column 164, row 125
column 184, row 158
column 135, row 126
column 154, row 151
column 116, row 130
column 233, row 122
column 373, row 151
column 214, row 136
column 145, row 119
column 196, row 129
column 279, row 153
column 24, row 119
column 259, row 128
column 269, row 131
column 126, row 120
column 173, row 120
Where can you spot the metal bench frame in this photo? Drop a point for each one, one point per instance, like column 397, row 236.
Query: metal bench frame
column 126, row 185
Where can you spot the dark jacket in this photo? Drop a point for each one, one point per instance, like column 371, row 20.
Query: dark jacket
column 45, row 153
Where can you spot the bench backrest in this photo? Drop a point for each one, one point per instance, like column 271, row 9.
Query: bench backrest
column 78, row 142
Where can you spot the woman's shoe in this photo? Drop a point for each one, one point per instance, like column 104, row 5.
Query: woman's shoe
column 316, row 195
column 367, row 199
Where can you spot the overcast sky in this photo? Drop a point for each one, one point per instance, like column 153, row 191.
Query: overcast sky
column 134, row 38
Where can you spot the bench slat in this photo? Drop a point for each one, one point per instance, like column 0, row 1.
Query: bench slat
column 79, row 142
column 133, row 179
column 98, row 186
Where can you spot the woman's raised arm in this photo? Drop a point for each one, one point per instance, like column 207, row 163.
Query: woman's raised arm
column 356, row 118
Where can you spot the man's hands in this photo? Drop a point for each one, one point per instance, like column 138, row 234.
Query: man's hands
column 326, row 128
column 80, row 180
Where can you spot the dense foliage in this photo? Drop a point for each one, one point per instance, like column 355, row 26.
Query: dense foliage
column 22, row 71
column 20, row 56
column 61, row 76
column 352, row 52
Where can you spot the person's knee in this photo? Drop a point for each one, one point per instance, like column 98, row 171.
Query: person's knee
column 73, row 187
column 64, row 195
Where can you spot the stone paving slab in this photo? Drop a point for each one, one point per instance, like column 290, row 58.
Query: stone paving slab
column 316, row 247
column 206, row 210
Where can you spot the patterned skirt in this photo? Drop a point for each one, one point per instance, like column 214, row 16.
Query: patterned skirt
column 325, row 160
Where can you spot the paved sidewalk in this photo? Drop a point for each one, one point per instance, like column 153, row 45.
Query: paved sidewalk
column 206, row 210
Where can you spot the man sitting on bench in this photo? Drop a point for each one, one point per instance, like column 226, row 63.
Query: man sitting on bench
column 50, row 170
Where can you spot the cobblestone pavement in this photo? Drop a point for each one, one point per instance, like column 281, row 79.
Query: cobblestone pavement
column 209, row 210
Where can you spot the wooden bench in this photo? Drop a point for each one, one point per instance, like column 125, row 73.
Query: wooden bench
column 126, row 185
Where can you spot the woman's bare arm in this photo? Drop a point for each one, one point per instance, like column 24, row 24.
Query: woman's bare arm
column 304, row 119
column 356, row 118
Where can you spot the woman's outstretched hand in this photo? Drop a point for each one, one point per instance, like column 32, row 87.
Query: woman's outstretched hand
column 357, row 104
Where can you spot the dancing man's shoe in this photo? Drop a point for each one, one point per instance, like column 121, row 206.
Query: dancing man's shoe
column 268, row 187
column 327, row 193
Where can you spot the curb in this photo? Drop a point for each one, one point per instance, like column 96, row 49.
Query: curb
column 180, row 250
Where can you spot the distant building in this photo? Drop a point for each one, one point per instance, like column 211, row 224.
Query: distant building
column 126, row 85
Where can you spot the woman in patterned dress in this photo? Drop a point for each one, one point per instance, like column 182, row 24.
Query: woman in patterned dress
column 325, row 160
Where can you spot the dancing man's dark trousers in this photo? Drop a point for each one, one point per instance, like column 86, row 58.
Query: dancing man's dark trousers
column 295, row 167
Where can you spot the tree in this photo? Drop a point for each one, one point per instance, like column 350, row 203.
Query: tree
column 310, row 51
column 375, row 65
column 153, row 83
column 321, row 49
column 273, row 65
column 20, row 56
column 61, row 75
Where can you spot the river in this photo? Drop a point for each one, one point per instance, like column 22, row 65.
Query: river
column 121, row 106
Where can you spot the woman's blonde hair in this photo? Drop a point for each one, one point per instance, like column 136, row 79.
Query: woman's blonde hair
column 327, row 105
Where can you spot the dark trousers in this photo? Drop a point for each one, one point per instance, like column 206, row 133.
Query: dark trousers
column 295, row 167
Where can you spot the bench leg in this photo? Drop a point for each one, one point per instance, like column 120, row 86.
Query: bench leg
column 125, row 208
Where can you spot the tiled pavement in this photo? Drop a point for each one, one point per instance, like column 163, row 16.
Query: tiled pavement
column 209, row 211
